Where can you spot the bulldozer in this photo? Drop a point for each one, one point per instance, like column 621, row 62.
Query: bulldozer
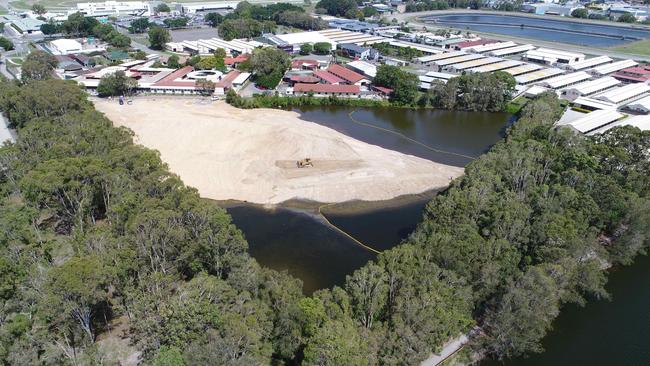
column 304, row 163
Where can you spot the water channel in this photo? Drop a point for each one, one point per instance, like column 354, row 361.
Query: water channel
column 545, row 29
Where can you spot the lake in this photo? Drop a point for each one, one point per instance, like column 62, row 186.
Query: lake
column 545, row 29
column 301, row 242
column 604, row 332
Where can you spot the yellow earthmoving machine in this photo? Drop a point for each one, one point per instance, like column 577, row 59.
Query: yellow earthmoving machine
column 304, row 163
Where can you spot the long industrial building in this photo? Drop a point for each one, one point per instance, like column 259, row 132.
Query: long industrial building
column 525, row 68
column 440, row 56
column 504, row 64
column 537, row 75
column 589, row 63
column 592, row 104
column 640, row 122
column 561, row 81
column 590, row 87
column 457, row 60
column 595, row 120
column 612, row 68
column 491, row 47
column 625, row 93
column 511, row 50
column 551, row 57
column 208, row 46
column 473, row 63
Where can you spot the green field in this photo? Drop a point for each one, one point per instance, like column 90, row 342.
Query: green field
column 637, row 48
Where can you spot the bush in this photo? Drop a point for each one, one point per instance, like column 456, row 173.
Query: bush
column 306, row 49
column 322, row 48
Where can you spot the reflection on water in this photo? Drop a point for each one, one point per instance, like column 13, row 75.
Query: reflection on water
column 604, row 332
column 465, row 133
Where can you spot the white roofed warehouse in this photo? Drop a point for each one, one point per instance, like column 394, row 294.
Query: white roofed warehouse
column 590, row 87
column 561, row 81
column 625, row 93
column 550, row 57
column 595, row 120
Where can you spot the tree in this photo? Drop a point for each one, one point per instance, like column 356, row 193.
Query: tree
column 168, row 356
column 162, row 8
column 269, row 65
column 627, row 18
column 6, row 44
column 38, row 65
column 116, row 84
column 580, row 13
column 49, row 28
column 79, row 25
column 174, row 23
column 158, row 37
column 75, row 291
column 322, row 48
column 369, row 11
column 336, row 343
column 172, row 62
column 139, row 25
column 139, row 55
column 306, row 48
column 230, row 29
column 119, row 40
column 39, row 9
column 404, row 84
column 213, row 19
column 339, row 7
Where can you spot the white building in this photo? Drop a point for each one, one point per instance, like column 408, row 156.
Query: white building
column 363, row 67
column 551, row 57
column 537, row 75
column 589, row 88
column 595, row 120
column 561, row 81
column 640, row 122
column 136, row 8
column 511, row 50
column 65, row 46
column 612, row 68
column 625, row 93
column 588, row 63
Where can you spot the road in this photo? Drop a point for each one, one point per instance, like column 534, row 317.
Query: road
column 413, row 20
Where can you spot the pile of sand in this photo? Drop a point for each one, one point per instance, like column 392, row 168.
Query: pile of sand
column 251, row 155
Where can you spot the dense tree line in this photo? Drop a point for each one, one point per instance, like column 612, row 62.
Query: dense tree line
column 95, row 231
column 250, row 20
column 79, row 25
column 472, row 92
column 404, row 84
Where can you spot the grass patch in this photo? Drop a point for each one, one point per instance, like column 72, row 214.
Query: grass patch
column 516, row 105
column 637, row 48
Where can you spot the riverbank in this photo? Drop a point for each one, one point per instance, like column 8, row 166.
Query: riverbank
column 251, row 155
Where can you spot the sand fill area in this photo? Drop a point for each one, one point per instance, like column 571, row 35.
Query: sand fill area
column 251, row 155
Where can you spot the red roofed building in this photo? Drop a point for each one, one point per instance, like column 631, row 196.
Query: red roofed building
column 348, row 75
column 327, row 77
column 226, row 81
column 234, row 61
column 304, row 65
column 303, row 79
column 326, row 89
column 176, row 81
column 461, row 45
column 639, row 74
column 383, row 90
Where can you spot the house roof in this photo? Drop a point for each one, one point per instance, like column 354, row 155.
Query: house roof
column 234, row 60
column 227, row 80
column 326, row 88
column 328, row 77
column 353, row 47
column 300, row 63
column 639, row 74
column 171, row 79
column 344, row 73
column 308, row 79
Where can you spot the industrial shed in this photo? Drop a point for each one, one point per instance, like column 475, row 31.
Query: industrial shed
column 613, row 67
column 518, row 70
column 497, row 66
column 537, row 75
column 550, row 56
column 590, row 87
column 624, row 94
column 511, row 50
column 561, row 81
column 591, row 62
column 595, row 120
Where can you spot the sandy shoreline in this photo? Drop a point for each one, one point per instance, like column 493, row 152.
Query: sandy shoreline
column 250, row 155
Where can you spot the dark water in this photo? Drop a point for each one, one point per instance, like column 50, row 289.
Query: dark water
column 300, row 242
column 320, row 256
column 546, row 29
column 442, row 136
column 604, row 332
